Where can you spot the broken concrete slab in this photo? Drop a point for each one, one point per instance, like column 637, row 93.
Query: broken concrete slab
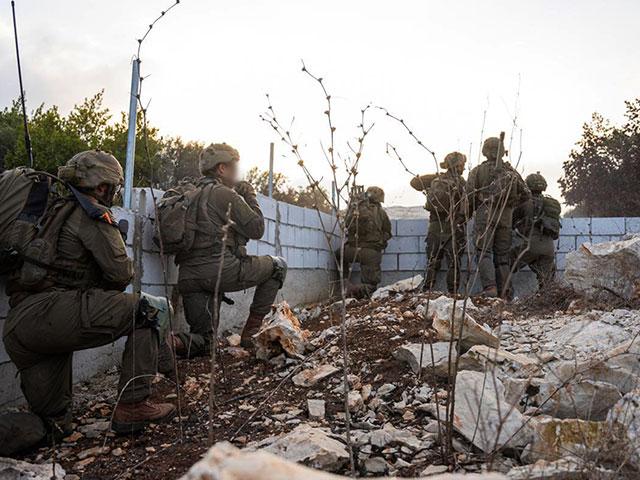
column 281, row 331
column 483, row 416
column 224, row 461
column 441, row 310
column 11, row 469
column 405, row 285
column 430, row 358
column 606, row 267
column 311, row 376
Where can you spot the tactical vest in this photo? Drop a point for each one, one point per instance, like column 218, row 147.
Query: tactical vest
column 365, row 225
column 445, row 195
column 541, row 216
column 500, row 186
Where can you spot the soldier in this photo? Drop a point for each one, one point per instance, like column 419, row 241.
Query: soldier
column 537, row 225
column 228, row 201
column 446, row 237
column 494, row 188
column 368, row 232
column 80, row 304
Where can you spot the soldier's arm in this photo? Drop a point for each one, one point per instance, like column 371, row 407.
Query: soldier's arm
column 246, row 215
column 105, row 243
column 386, row 227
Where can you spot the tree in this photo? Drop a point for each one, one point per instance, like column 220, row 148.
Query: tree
column 302, row 196
column 602, row 173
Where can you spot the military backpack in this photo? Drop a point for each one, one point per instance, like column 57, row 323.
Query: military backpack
column 545, row 216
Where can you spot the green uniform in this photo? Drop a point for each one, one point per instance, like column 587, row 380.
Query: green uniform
column 493, row 193
column 367, row 236
column 535, row 246
column 200, row 266
column 446, row 237
column 80, row 306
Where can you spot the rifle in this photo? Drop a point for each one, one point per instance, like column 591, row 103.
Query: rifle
column 500, row 152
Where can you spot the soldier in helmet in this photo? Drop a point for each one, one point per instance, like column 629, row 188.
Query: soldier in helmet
column 79, row 303
column 494, row 189
column 368, row 232
column 232, row 202
column 446, row 203
column 537, row 226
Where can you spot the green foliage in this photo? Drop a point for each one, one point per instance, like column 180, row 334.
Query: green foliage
column 303, row 196
column 602, row 174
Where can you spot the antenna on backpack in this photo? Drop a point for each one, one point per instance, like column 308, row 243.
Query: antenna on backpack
column 27, row 138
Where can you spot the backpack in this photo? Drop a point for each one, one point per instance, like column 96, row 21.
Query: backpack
column 25, row 196
column 180, row 214
column 442, row 192
column 550, row 219
column 365, row 226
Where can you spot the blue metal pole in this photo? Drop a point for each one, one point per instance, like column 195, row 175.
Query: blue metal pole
column 131, row 137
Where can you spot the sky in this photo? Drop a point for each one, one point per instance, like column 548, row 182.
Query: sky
column 536, row 70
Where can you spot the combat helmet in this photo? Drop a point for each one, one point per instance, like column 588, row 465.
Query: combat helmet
column 453, row 159
column 376, row 194
column 217, row 153
column 536, row 182
column 92, row 168
column 492, row 146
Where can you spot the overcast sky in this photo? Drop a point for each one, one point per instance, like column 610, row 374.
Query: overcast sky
column 437, row 64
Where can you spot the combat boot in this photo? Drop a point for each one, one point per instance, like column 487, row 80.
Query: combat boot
column 254, row 322
column 490, row 292
column 133, row 417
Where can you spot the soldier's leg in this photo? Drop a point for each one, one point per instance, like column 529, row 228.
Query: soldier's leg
column 370, row 269
column 484, row 238
column 453, row 251
column 545, row 269
column 501, row 258
column 198, row 312
column 435, row 254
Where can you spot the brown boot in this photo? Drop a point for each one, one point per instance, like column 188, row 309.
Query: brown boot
column 490, row 292
column 177, row 345
column 132, row 417
column 254, row 322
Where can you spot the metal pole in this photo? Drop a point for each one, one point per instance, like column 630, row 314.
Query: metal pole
column 131, row 137
column 271, row 146
column 27, row 138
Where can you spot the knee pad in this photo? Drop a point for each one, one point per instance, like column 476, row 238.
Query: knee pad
column 153, row 312
column 279, row 269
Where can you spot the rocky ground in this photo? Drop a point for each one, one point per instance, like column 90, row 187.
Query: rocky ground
column 546, row 388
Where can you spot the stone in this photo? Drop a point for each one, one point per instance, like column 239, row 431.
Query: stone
column 233, row 340
column 479, row 357
column 376, row 465
column 311, row 376
column 611, row 371
column 405, row 285
column 386, row 389
column 281, row 331
column 568, row 468
column 93, row 452
column 483, row 416
column 316, row 408
column 20, row 431
column 441, row 310
column 354, row 401
column 388, row 435
column 11, row 469
column 554, row 437
column 583, row 399
column 225, row 461
column 608, row 266
column 312, row 447
column 625, row 414
column 586, row 335
column 434, row 470
column 436, row 362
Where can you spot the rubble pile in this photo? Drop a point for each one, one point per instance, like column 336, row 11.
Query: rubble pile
column 548, row 396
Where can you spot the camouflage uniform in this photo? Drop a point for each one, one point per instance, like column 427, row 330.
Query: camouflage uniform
column 493, row 193
column 200, row 266
column 535, row 247
column 368, row 234
column 446, row 237
column 79, row 305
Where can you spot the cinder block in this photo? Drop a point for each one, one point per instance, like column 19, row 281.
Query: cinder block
column 394, row 227
column 412, row 261
column 310, row 258
column 632, row 225
column 411, row 227
column 403, row 245
column 326, row 260
column 561, row 261
column 122, row 214
column 576, row 226
column 268, row 206
column 296, row 216
column 287, row 235
column 582, row 239
column 566, row 243
column 295, row 257
column 328, row 222
column 153, row 273
column 252, row 248
column 311, row 218
column 265, row 248
column 608, row 226
column 282, row 211
column 600, row 239
column 389, row 262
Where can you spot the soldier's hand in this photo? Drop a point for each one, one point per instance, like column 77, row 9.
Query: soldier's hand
column 245, row 189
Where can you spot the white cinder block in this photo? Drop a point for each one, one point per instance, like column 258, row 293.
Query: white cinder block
column 411, row 227
column 296, row 216
column 282, row 209
column 404, row 245
column 607, row 226
column 412, row 261
column 295, row 257
column 310, row 258
column 152, row 271
column 576, row 226
column 268, row 206
column 252, row 248
column 311, row 218
column 326, row 260
column 389, row 262
column 632, row 225
column 566, row 244
column 265, row 248
column 560, row 261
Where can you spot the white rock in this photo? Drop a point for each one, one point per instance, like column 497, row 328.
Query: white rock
column 11, row 469
column 609, row 265
column 354, row 401
column 311, row 376
column 568, row 468
column 280, row 331
column 626, row 414
column 316, row 408
column 435, row 357
column 401, row 286
column 376, row 465
column 441, row 310
column 583, row 399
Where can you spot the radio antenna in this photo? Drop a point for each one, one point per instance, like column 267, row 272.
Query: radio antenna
column 27, row 138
